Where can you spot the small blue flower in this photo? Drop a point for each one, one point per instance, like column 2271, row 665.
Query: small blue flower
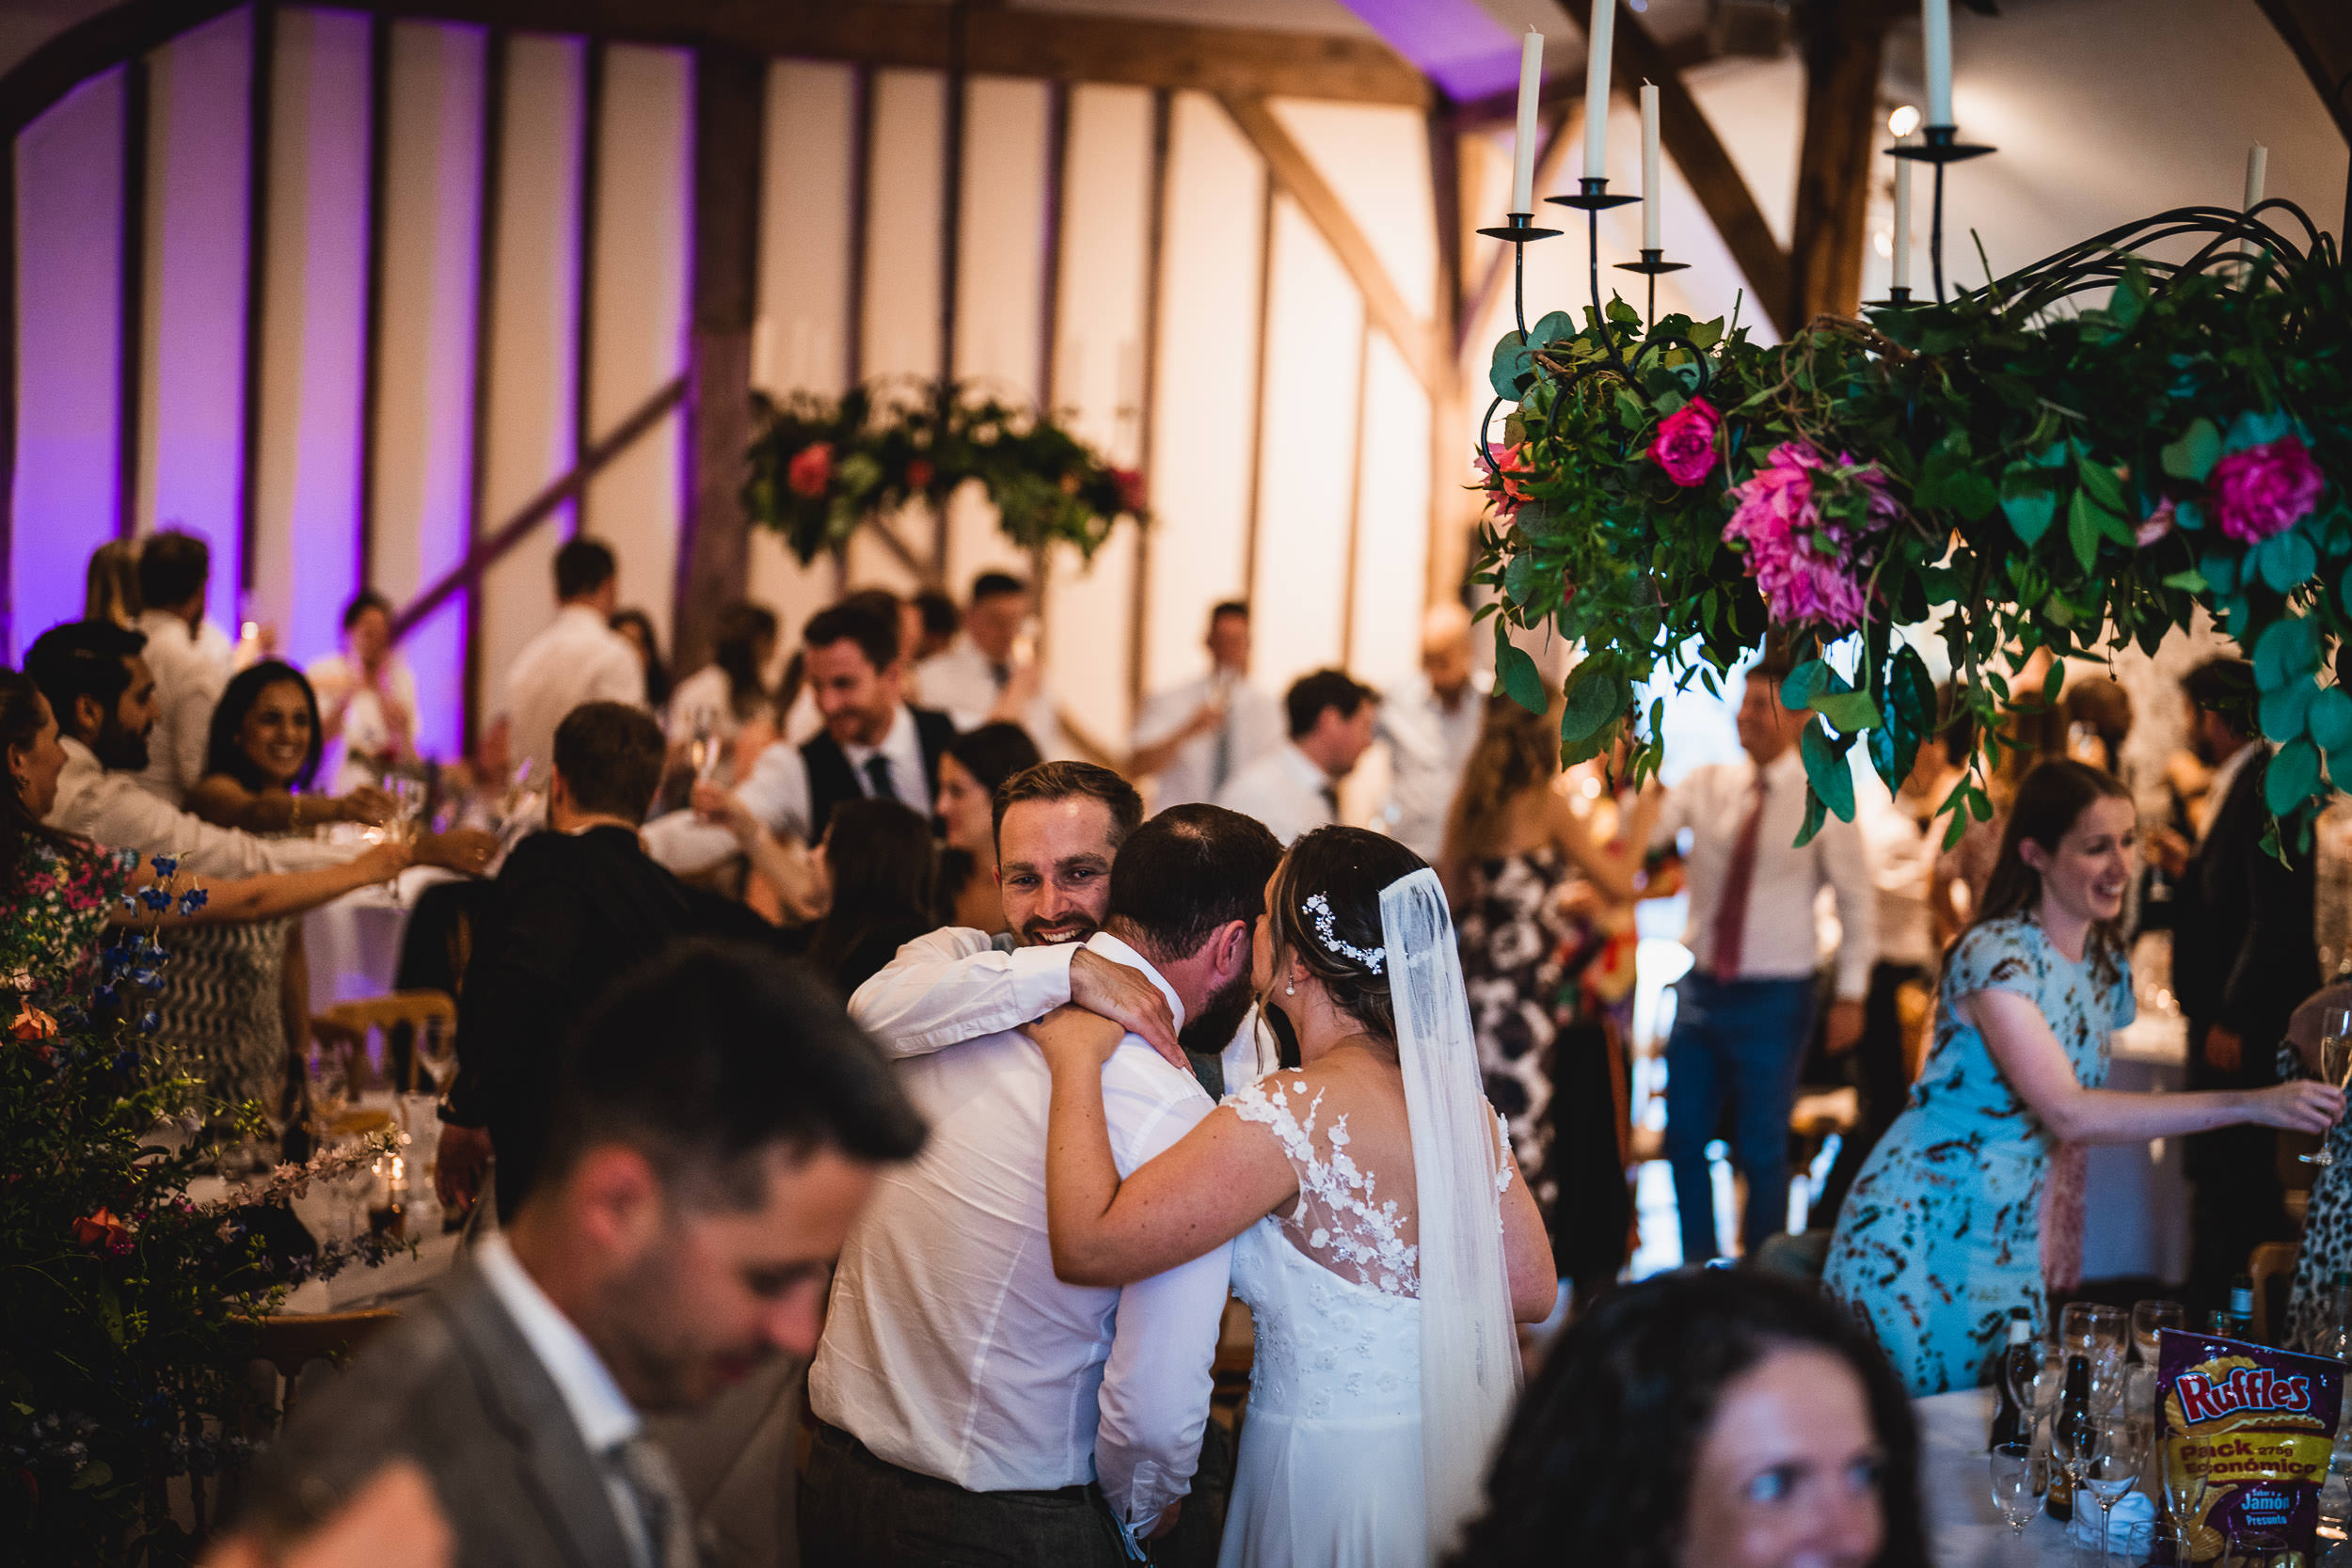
column 155, row 898
column 131, row 902
column 166, row 865
column 192, row 900
column 150, row 1022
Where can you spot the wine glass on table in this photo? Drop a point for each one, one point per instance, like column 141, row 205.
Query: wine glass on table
column 2020, row 1475
column 2336, row 1066
column 2076, row 1436
column 2037, row 1376
column 2151, row 1318
column 2114, row 1468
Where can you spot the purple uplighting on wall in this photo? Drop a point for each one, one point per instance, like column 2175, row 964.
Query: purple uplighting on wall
column 69, row 331
column 1454, row 42
column 193, row 381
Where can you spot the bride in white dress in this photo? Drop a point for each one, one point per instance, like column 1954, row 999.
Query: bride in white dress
column 1387, row 1239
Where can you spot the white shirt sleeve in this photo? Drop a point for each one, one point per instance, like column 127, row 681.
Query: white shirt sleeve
column 128, row 818
column 1846, row 867
column 1673, row 816
column 952, row 986
column 777, row 791
column 619, row 678
column 1156, row 1381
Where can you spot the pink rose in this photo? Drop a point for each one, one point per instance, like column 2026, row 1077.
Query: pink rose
column 1807, row 566
column 1507, row 462
column 1130, row 483
column 1685, row 447
column 811, row 470
column 919, row 473
column 2265, row 490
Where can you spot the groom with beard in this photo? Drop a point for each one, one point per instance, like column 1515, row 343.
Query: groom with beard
column 968, row 1400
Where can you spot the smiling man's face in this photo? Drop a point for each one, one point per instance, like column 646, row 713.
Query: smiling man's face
column 1054, row 868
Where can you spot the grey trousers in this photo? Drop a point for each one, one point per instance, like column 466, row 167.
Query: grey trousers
column 862, row 1511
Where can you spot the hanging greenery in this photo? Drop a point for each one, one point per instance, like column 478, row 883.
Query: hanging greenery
column 822, row 467
column 2034, row 475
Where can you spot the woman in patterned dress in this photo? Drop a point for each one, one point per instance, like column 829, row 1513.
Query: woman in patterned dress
column 59, row 893
column 2327, row 1249
column 1545, row 913
column 1940, row 1236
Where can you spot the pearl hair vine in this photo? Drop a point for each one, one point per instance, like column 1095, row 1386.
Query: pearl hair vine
column 1327, row 932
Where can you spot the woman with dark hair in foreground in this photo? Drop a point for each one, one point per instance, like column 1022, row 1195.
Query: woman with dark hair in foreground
column 1709, row 1420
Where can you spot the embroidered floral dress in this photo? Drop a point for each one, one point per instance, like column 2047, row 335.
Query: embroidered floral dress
column 1941, row 1233
column 56, row 921
column 1329, row 1474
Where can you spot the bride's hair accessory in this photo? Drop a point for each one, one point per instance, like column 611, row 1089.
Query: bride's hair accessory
column 1327, row 932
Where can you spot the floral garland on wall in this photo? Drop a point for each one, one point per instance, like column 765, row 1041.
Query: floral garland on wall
column 822, row 467
column 2036, row 476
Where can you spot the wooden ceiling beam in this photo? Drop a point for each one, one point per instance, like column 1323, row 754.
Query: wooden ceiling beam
column 1295, row 176
column 1844, row 42
column 2319, row 33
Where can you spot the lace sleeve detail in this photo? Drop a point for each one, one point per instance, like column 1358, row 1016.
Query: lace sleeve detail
column 1505, row 1163
column 1338, row 1222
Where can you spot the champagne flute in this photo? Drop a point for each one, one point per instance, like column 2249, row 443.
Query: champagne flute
column 2037, row 1376
column 2335, row 1064
column 2020, row 1475
column 2151, row 1317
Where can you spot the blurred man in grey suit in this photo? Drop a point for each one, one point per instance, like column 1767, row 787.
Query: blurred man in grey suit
column 720, row 1124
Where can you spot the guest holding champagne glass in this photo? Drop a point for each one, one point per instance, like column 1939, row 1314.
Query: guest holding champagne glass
column 1941, row 1233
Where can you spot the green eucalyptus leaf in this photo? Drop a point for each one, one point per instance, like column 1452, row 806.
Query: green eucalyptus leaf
column 1520, row 678
column 1815, row 813
column 2284, row 710
column 1594, row 696
column 2329, row 720
column 2192, row 456
column 2288, row 650
column 2029, row 516
column 1826, row 770
column 2287, row 560
column 2291, row 778
column 1554, row 326
column 2221, row 571
column 1847, row 711
column 1804, row 683
column 1508, row 373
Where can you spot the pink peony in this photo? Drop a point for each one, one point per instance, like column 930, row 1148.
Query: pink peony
column 1685, row 447
column 811, row 470
column 2156, row 524
column 2265, row 490
column 1507, row 462
column 1806, row 565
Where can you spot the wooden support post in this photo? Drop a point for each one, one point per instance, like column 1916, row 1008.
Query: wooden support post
column 714, row 557
column 1844, row 44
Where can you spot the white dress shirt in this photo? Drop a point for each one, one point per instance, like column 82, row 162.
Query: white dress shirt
column 778, row 794
column 1902, row 868
column 114, row 811
column 951, row 1348
column 598, row 1409
column 957, row 984
column 1428, row 746
column 960, row 682
column 1780, row 939
column 578, row 660
column 1285, row 790
column 1253, row 727
column 189, row 678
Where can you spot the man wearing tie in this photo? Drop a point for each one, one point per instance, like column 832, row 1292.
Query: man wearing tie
column 874, row 744
column 1295, row 787
column 1192, row 738
column 1744, row 1013
column 982, row 676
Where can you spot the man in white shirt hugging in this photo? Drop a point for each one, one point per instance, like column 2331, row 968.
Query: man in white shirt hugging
column 968, row 1400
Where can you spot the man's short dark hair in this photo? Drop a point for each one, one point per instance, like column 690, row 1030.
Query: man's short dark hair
column 1063, row 780
column 83, row 658
column 938, row 611
column 363, row 601
column 753, row 1051
column 1187, row 872
column 173, row 567
column 582, row 566
column 1229, row 607
column 610, row 756
column 2222, row 687
column 1310, row 694
column 996, row 585
column 857, row 619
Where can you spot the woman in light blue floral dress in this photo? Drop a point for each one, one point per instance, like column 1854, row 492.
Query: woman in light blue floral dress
column 1941, row 1234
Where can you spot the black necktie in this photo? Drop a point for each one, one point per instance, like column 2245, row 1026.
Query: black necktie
column 1000, row 674
column 878, row 778
column 1331, row 800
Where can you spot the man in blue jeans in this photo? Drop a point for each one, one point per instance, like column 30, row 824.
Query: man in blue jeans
column 1744, row 1013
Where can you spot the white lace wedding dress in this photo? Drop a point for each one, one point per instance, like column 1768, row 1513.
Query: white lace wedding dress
column 1330, row 1473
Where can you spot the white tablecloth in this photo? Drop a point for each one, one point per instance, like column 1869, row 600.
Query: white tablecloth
column 2135, row 1197
column 352, row 945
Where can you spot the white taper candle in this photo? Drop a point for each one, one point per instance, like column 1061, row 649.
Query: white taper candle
column 1598, row 39
column 1936, row 26
column 1902, row 222
column 1653, row 193
column 2257, row 168
column 1523, row 151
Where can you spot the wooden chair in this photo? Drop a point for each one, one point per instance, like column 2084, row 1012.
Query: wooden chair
column 290, row 1341
column 350, row 1024
column 2271, row 1266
